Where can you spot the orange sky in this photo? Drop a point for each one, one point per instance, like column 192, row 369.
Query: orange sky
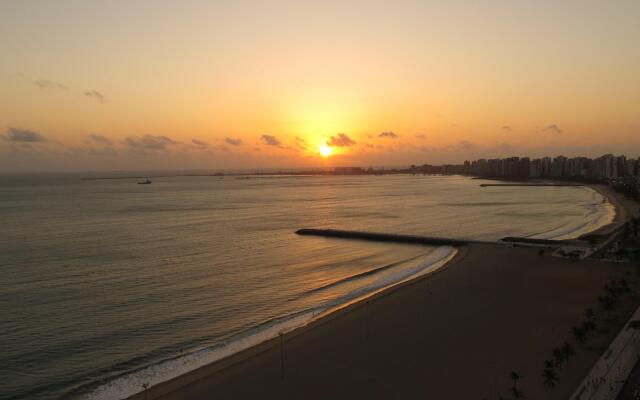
column 103, row 85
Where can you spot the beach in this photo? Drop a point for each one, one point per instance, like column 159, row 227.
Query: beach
column 625, row 209
column 191, row 270
column 457, row 333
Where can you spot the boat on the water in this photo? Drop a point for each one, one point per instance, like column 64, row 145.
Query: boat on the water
column 147, row 182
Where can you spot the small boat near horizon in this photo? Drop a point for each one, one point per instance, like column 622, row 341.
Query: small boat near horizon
column 146, row 182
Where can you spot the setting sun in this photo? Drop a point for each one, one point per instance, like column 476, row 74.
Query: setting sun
column 325, row 151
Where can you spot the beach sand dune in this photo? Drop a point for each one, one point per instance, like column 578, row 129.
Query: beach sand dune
column 456, row 334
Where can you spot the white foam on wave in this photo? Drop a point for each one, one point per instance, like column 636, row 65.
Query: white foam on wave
column 130, row 384
column 598, row 213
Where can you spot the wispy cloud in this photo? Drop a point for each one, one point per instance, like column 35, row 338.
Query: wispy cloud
column 553, row 128
column 199, row 144
column 270, row 140
column 24, row 136
column 341, row 140
column 301, row 143
column 95, row 95
column 100, row 139
column 506, row 128
column 49, row 84
column 464, row 145
column 421, row 136
column 388, row 134
column 149, row 142
column 233, row 141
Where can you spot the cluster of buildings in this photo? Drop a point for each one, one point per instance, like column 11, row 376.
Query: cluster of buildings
column 618, row 171
column 607, row 168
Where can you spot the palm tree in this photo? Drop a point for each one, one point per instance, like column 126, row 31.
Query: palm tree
column 568, row 351
column 514, row 377
column 589, row 313
column 578, row 334
column 548, row 364
column 550, row 377
column 609, row 303
column 558, row 356
column 589, row 325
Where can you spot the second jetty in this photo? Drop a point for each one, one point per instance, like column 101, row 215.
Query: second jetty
column 531, row 184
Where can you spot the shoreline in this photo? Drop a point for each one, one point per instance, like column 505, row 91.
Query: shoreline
column 306, row 320
column 171, row 385
column 169, row 389
column 319, row 356
column 624, row 208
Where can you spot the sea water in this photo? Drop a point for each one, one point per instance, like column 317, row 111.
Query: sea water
column 107, row 285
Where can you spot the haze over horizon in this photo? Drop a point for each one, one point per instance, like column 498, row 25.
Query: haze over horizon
column 210, row 85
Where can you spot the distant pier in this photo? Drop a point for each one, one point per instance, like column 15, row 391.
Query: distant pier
column 531, row 184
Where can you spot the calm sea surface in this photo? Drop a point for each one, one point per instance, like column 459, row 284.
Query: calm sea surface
column 107, row 284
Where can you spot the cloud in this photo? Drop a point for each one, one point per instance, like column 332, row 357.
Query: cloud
column 507, row 128
column 464, row 145
column 149, row 142
column 388, row 134
column 238, row 141
column 422, row 136
column 100, row 139
column 270, row 140
column 94, row 94
column 341, row 140
column 47, row 84
column 199, row 144
column 553, row 128
column 504, row 147
column 301, row 143
column 24, row 136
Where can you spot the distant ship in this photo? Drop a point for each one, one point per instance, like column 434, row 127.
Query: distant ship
column 147, row 182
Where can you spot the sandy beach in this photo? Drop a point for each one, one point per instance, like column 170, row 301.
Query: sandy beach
column 625, row 210
column 455, row 334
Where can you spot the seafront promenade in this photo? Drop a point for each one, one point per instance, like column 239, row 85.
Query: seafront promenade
column 609, row 374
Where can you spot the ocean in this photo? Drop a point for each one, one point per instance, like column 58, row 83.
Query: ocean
column 108, row 285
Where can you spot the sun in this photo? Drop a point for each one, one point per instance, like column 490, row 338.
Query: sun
column 325, row 151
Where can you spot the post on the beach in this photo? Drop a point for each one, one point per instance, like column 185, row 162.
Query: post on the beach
column 495, row 386
column 281, row 355
column 366, row 317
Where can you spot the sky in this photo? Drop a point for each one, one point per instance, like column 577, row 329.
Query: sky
column 143, row 85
